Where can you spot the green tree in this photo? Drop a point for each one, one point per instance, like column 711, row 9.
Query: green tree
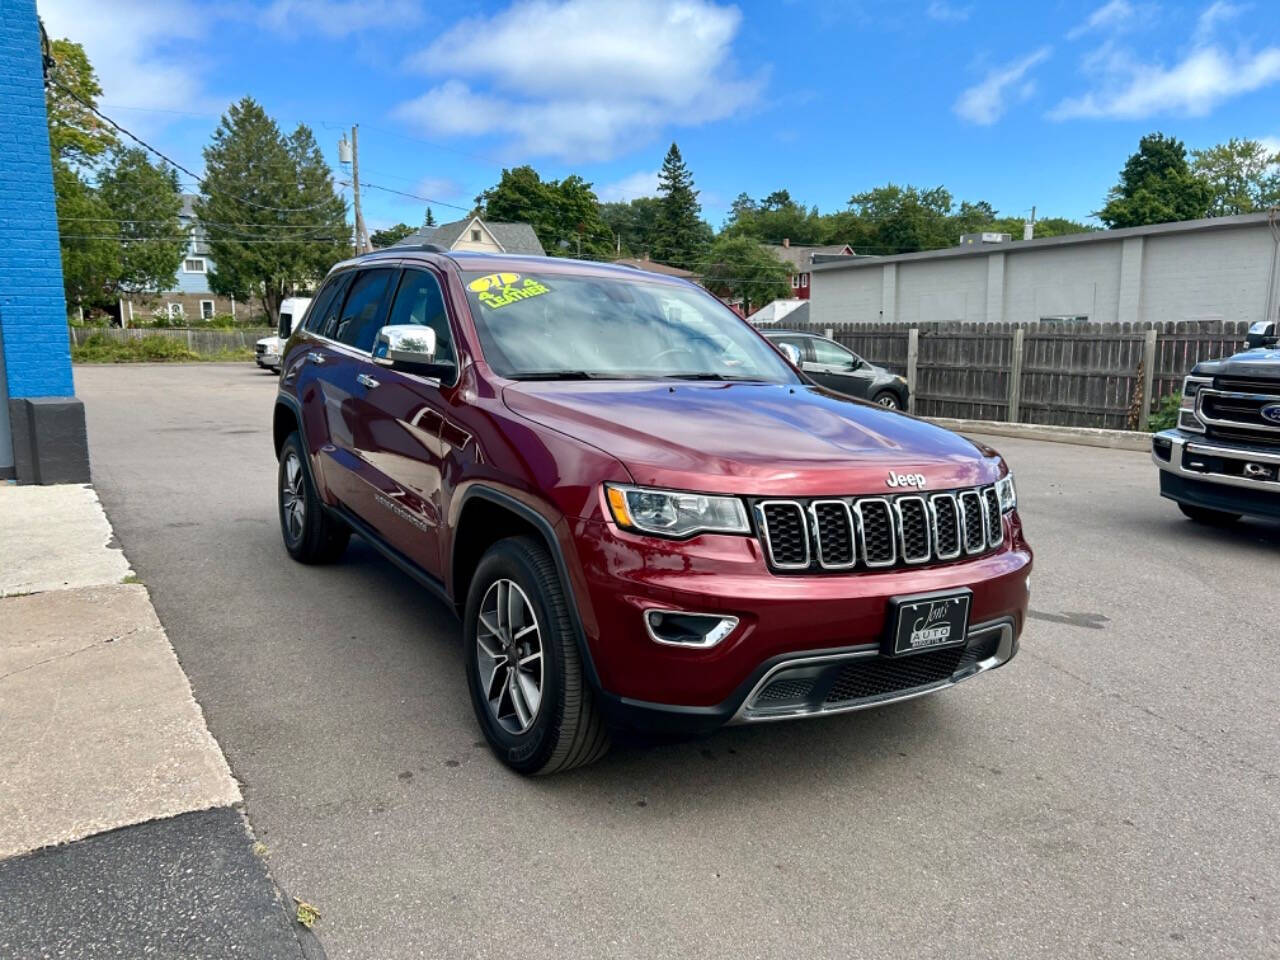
column 77, row 136
column 1243, row 176
column 565, row 214
column 145, row 199
column 1156, row 186
column 682, row 237
column 430, row 219
column 385, row 238
column 89, row 240
column 906, row 219
column 739, row 268
column 633, row 223
column 775, row 218
column 268, row 208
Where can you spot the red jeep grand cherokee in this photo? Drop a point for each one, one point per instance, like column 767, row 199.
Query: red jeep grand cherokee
column 647, row 518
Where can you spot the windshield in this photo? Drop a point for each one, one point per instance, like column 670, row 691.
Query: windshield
column 560, row 326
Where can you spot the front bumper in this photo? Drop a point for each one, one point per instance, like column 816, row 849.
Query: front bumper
column 1236, row 478
column 806, row 645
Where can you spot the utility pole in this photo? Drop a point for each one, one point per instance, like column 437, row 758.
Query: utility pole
column 1029, row 226
column 350, row 153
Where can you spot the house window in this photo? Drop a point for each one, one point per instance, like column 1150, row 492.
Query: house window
column 475, row 236
column 795, row 281
column 804, row 280
column 206, row 309
column 175, row 311
column 194, row 265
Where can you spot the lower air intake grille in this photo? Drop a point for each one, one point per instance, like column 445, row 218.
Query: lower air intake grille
column 882, row 675
column 784, row 690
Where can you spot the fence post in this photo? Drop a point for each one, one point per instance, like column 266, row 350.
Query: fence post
column 913, row 358
column 829, row 333
column 189, row 345
column 1015, row 375
column 1148, row 376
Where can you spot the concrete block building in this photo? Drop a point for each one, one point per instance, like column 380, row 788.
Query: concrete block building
column 1219, row 269
column 42, row 435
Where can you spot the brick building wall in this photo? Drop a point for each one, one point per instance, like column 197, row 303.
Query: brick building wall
column 34, row 346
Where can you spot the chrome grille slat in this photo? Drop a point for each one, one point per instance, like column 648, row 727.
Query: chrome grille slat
column 829, row 534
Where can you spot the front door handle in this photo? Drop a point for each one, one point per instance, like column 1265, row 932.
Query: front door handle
column 367, row 380
column 315, row 357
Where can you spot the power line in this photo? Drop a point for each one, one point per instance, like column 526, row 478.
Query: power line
column 411, row 196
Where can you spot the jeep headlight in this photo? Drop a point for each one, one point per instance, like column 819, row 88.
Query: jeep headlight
column 1007, row 495
column 672, row 513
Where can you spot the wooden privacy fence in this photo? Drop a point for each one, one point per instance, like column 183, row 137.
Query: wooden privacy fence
column 1066, row 374
column 201, row 341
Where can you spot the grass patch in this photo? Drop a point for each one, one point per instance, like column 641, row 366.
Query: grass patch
column 150, row 349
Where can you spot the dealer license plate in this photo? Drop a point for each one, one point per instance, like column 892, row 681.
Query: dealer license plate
column 929, row 621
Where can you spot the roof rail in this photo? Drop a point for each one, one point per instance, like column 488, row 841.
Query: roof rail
column 424, row 247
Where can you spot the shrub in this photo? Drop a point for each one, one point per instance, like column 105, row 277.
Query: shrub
column 1166, row 415
column 100, row 348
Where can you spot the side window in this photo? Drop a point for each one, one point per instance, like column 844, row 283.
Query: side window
column 797, row 342
column 419, row 301
column 833, row 355
column 361, row 315
column 322, row 316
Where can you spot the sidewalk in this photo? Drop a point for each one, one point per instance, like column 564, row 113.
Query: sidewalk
column 99, row 732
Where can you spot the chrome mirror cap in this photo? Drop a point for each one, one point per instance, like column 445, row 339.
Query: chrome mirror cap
column 404, row 343
column 791, row 353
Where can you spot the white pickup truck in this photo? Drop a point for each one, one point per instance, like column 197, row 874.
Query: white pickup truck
column 266, row 352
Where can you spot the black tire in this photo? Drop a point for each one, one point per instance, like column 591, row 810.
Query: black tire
column 566, row 731
column 1211, row 518
column 316, row 536
column 887, row 399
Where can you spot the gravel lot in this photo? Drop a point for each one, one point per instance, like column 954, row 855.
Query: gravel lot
column 1115, row 791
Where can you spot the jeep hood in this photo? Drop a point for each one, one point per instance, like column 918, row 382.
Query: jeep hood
column 750, row 438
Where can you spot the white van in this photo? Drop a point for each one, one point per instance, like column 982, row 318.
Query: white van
column 267, row 350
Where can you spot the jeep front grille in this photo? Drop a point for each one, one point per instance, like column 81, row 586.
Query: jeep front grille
column 872, row 533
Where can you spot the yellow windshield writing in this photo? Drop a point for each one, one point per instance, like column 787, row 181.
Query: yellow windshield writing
column 494, row 296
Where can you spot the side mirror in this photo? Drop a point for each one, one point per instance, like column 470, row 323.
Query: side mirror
column 791, row 353
column 409, row 347
column 1262, row 334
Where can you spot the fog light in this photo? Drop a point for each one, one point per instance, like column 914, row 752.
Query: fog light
column 688, row 629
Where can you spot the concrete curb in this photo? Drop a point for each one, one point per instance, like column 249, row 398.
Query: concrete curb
column 1083, row 436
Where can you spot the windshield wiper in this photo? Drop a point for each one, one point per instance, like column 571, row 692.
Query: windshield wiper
column 713, row 376
column 556, row 375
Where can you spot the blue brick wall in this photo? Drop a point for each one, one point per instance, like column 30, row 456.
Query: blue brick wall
column 33, row 313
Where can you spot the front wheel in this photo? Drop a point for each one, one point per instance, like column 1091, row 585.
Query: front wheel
column 1211, row 518
column 887, row 399
column 523, row 669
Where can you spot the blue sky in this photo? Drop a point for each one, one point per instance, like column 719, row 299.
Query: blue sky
column 1015, row 103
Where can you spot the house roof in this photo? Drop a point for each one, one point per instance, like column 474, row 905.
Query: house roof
column 801, row 256
column 512, row 237
column 1016, row 246
column 654, row 267
column 795, row 311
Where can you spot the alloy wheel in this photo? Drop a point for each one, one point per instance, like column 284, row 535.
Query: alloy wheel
column 293, row 503
column 888, row 400
column 509, row 654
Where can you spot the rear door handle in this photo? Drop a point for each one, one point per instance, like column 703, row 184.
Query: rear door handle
column 315, row 357
column 367, row 380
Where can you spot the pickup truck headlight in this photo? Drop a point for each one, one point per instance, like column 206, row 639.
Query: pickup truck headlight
column 1006, row 492
column 672, row 513
column 1187, row 418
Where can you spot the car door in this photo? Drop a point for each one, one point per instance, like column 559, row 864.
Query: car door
column 399, row 445
column 341, row 362
column 837, row 368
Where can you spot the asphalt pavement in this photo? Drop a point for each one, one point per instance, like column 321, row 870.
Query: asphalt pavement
column 1113, row 792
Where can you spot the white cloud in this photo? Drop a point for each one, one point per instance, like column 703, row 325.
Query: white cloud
column 1214, row 15
column 986, row 101
column 1127, row 89
column 339, row 18
column 1116, row 15
column 582, row 79
column 144, row 51
column 947, row 13
column 642, row 183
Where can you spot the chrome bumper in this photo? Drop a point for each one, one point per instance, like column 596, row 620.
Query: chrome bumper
column 1183, row 448
column 752, row 711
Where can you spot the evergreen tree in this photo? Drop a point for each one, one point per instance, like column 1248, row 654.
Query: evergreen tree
column 391, row 235
column 90, row 246
column 268, row 208
column 681, row 237
column 145, row 198
column 1156, row 186
column 430, row 219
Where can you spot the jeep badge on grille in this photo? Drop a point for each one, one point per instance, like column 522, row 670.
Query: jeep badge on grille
column 915, row 480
